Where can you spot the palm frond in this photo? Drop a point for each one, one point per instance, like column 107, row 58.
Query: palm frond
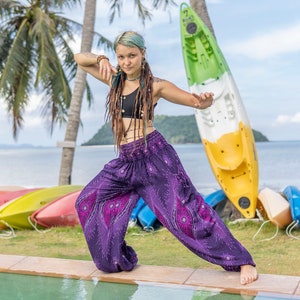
column 15, row 60
column 103, row 41
column 35, row 53
column 165, row 3
column 89, row 94
column 6, row 40
column 66, row 56
column 8, row 7
column 48, row 5
column 56, row 90
column 42, row 33
column 143, row 11
column 115, row 7
column 65, row 4
column 16, row 76
column 63, row 35
column 34, row 44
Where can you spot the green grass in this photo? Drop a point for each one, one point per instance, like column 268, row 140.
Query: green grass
column 277, row 256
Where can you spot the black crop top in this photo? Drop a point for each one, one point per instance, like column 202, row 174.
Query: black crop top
column 128, row 103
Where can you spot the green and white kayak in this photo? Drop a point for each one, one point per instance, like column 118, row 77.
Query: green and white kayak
column 224, row 127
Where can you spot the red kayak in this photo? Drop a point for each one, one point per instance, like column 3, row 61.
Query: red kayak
column 60, row 212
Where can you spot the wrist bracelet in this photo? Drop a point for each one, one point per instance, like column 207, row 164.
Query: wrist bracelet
column 100, row 57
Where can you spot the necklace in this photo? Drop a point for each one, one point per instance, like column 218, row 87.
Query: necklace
column 133, row 79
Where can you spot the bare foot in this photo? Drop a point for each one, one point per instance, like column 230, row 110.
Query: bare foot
column 248, row 274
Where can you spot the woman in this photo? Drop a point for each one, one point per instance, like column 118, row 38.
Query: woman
column 147, row 167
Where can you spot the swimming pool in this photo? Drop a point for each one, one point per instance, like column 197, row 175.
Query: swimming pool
column 29, row 287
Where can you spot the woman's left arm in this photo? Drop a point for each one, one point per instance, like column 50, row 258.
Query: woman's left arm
column 172, row 93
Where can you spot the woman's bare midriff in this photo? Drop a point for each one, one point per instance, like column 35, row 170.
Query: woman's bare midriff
column 135, row 132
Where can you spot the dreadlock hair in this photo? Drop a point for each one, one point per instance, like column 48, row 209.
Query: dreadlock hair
column 144, row 94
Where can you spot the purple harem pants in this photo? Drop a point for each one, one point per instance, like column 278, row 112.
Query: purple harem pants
column 156, row 174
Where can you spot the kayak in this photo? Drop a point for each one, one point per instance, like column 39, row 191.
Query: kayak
column 14, row 214
column 147, row 218
column 224, row 127
column 274, row 207
column 292, row 194
column 11, row 195
column 215, row 198
column 60, row 212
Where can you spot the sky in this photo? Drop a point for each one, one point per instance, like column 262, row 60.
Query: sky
column 260, row 40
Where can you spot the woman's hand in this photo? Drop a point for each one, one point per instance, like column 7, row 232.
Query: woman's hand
column 106, row 70
column 205, row 100
column 96, row 65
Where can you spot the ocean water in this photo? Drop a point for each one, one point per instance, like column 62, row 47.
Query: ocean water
column 279, row 165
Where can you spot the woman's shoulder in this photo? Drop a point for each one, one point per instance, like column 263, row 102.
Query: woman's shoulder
column 157, row 79
column 159, row 83
column 160, row 86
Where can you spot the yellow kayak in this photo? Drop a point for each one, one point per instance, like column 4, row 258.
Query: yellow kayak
column 233, row 160
column 15, row 213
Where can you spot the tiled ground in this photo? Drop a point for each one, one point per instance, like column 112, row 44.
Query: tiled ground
column 287, row 286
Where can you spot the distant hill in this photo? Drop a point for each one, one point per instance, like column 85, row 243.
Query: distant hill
column 176, row 130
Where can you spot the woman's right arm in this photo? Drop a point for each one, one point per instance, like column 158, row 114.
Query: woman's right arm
column 100, row 69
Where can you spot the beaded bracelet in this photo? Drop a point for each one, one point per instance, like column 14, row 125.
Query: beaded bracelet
column 100, row 57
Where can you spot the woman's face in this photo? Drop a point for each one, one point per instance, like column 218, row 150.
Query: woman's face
column 130, row 60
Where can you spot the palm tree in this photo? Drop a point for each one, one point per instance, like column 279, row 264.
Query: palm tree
column 69, row 143
column 35, row 54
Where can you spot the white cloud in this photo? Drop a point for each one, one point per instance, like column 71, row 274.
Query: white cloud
column 296, row 118
column 284, row 119
column 266, row 45
column 33, row 122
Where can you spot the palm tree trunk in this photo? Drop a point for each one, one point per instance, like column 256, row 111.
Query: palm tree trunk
column 200, row 8
column 69, row 143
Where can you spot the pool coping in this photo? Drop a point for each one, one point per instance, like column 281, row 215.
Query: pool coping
column 216, row 280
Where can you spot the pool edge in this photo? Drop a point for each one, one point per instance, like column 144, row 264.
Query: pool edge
column 219, row 280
